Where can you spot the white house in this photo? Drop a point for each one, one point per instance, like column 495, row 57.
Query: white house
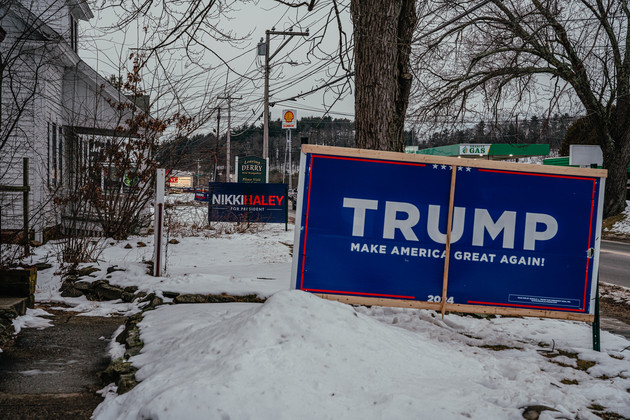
column 53, row 106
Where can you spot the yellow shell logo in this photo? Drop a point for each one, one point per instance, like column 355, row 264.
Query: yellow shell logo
column 288, row 116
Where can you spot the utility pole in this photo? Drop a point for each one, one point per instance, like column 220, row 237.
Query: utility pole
column 227, row 154
column 196, row 177
column 216, row 150
column 269, row 57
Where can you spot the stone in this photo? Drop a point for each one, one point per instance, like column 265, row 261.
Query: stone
column 128, row 246
column 141, row 244
column 83, row 285
column 115, row 369
column 155, row 302
column 8, row 314
column 133, row 351
column 533, row 411
column 87, row 271
column 108, row 292
column 71, row 278
column 127, row 297
column 42, row 266
column 68, row 290
column 190, row 298
column 133, row 339
column 126, row 383
column 113, row 268
column 173, row 241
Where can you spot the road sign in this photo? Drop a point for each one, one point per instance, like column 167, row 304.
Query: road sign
column 289, row 119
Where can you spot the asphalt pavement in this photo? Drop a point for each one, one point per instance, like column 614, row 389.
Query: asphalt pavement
column 53, row 373
column 614, row 263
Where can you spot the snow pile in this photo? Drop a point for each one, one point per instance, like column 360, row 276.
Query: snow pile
column 34, row 318
column 623, row 225
column 298, row 356
column 617, row 293
column 179, row 198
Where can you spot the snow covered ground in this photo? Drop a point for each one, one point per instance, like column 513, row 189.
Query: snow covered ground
column 622, row 227
column 298, row 356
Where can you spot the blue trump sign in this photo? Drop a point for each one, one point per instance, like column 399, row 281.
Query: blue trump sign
column 522, row 239
column 246, row 202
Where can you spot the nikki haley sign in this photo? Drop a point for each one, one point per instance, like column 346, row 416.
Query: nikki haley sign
column 451, row 234
column 246, row 202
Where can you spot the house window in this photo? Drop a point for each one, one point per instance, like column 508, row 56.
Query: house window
column 54, row 154
column 48, row 155
column 60, row 154
column 74, row 34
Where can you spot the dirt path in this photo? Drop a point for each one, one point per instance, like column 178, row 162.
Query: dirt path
column 53, row 373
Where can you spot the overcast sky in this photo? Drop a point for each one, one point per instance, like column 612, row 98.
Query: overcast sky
column 104, row 50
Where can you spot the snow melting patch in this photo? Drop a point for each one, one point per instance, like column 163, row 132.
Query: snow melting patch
column 32, row 319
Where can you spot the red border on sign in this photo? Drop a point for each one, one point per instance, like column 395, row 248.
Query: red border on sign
column 308, row 204
column 590, row 234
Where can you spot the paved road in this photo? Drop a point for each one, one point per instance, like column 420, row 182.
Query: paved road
column 614, row 268
column 53, row 373
column 614, row 263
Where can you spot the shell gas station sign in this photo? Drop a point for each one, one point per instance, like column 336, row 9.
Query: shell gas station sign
column 289, row 119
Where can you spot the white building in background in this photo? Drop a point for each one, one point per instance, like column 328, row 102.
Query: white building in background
column 54, row 106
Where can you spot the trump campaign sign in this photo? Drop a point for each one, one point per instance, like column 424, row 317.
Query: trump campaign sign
column 448, row 234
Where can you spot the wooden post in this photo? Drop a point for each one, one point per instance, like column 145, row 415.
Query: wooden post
column 596, row 327
column 25, row 207
column 158, row 224
column 447, row 256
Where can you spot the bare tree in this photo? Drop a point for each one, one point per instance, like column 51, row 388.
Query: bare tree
column 510, row 54
column 176, row 44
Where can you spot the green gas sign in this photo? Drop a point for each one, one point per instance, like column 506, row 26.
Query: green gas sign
column 474, row 149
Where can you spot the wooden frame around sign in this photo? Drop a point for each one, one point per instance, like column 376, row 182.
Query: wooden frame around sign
column 443, row 306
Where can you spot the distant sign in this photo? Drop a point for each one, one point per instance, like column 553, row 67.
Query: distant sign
column 180, row 182
column 586, row 155
column 474, row 149
column 252, row 169
column 289, row 119
column 240, row 202
column 524, row 239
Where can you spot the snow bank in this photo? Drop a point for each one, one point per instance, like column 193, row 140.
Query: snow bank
column 298, row 356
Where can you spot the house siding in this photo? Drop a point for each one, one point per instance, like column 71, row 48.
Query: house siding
column 67, row 93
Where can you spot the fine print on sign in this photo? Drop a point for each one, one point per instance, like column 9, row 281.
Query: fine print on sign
column 289, row 119
column 448, row 234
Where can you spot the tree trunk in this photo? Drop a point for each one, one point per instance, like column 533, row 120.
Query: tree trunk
column 616, row 160
column 382, row 43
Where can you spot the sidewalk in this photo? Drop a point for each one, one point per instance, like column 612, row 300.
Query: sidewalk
column 52, row 373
